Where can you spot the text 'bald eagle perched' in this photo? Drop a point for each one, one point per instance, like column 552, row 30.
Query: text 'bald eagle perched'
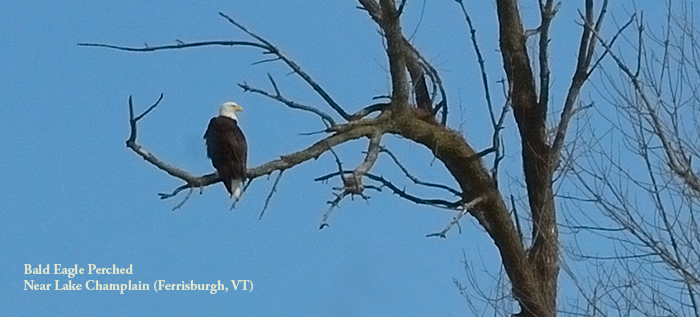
column 227, row 148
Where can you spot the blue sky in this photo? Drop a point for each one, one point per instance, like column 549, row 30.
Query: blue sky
column 72, row 193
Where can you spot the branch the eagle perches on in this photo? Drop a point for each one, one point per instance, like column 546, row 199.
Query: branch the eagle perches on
column 356, row 125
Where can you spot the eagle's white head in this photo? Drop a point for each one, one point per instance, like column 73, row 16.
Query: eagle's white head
column 229, row 109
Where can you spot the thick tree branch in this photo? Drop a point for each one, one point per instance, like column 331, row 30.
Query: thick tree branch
column 373, row 8
column 535, row 285
column 396, row 52
column 288, row 161
column 547, row 13
column 475, row 181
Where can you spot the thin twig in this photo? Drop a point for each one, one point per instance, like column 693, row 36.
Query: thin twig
column 333, row 205
column 440, row 203
column 481, row 61
column 496, row 141
column 327, row 119
column 180, row 45
column 184, row 200
column 272, row 191
column 338, row 197
column 585, row 56
column 455, row 220
column 414, row 179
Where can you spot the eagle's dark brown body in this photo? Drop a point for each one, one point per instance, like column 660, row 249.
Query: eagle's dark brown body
column 228, row 151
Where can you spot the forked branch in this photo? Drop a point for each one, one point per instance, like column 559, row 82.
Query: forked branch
column 417, row 181
column 262, row 43
column 583, row 71
column 327, row 119
column 190, row 180
column 272, row 49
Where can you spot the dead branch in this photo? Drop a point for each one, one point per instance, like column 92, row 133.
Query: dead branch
column 327, row 119
column 439, row 203
column 581, row 74
column 416, row 58
column 547, row 13
column 333, row 204
column 480, row 60
column 420, row 88
column 496, row 122
column 272, row 49
column 352, row 184
column 272, row 191
column 179, row 45
column 417, row 181
column 370, row 158
column 369, row 128
column 266, row 46
column 396, row 50
column 455, row 220
column 190, row 180
column 496, row 140
column 373, row 8
column 368, row 110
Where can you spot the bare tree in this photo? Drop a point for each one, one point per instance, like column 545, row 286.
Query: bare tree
column 416, row 109
column 639, row 173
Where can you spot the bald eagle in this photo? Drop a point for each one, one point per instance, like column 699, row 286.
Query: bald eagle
column 227, row 148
